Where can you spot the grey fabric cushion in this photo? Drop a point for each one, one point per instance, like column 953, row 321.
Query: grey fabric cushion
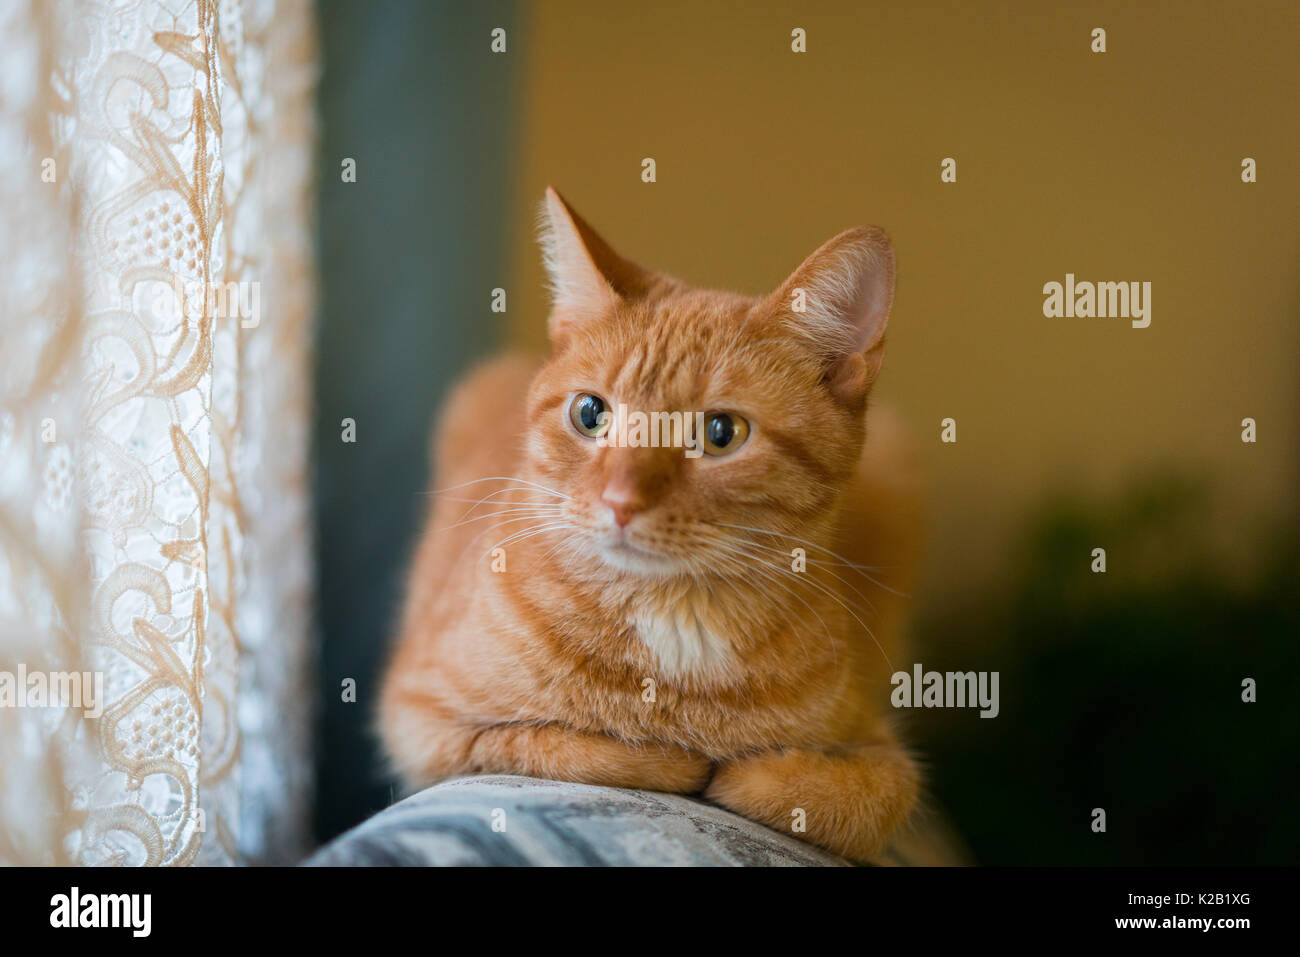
column 555, row 823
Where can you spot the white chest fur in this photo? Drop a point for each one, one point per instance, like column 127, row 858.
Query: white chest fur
column 684, row 635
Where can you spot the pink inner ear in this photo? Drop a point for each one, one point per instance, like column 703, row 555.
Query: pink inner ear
column 870, row 312
column 849, row 287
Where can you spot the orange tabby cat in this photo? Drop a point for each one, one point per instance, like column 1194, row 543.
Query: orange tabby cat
column 681, row 618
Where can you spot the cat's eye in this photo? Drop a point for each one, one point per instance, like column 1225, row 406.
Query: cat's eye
column 589, row 415
column 724, row 432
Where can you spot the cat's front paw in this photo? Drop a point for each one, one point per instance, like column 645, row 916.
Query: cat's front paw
column 675, row 769
column 566, row 754
column 849, row 803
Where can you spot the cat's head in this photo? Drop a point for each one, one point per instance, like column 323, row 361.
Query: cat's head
column 642, row 364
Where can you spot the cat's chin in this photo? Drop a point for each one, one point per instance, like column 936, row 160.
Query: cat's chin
column 634, row 560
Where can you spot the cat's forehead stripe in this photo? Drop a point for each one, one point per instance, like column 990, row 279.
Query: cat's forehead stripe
column 677, row 351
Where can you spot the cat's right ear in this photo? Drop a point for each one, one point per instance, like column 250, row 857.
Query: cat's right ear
column 587, row 278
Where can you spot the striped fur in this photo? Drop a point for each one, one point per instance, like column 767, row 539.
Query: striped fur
column 695, row 659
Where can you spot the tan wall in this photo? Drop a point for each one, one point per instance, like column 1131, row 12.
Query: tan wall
column 1115, row 166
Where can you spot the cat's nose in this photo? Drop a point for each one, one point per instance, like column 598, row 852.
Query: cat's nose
column 624, row 500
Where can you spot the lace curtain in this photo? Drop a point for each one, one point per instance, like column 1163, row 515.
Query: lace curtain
column 155, row 299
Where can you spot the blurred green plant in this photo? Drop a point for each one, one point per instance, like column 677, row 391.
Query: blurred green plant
column 1123, row 691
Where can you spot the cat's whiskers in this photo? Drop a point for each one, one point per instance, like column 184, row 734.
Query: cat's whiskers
column 491, row 497
column 502, row 478
column 839, row 600
column 840, row 559
column 562, row 542
column 509, row 521
column 522, row 485
column 828, row 566
column 747, row 569
column 709, row 540
column 530, row 532
column 795, row 630
column 528, row 510
column 809, row 580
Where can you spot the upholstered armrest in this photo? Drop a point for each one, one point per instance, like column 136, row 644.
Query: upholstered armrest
column 505, row 820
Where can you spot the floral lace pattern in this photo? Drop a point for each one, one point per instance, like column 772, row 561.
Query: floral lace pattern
column 158, row 314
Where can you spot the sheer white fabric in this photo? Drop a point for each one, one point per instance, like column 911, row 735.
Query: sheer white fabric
column 155, row 297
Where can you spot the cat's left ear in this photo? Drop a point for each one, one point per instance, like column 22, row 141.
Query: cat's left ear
column 838, row 300
column 587, row 277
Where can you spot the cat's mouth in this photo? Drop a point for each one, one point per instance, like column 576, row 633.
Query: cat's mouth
column 619, row 552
